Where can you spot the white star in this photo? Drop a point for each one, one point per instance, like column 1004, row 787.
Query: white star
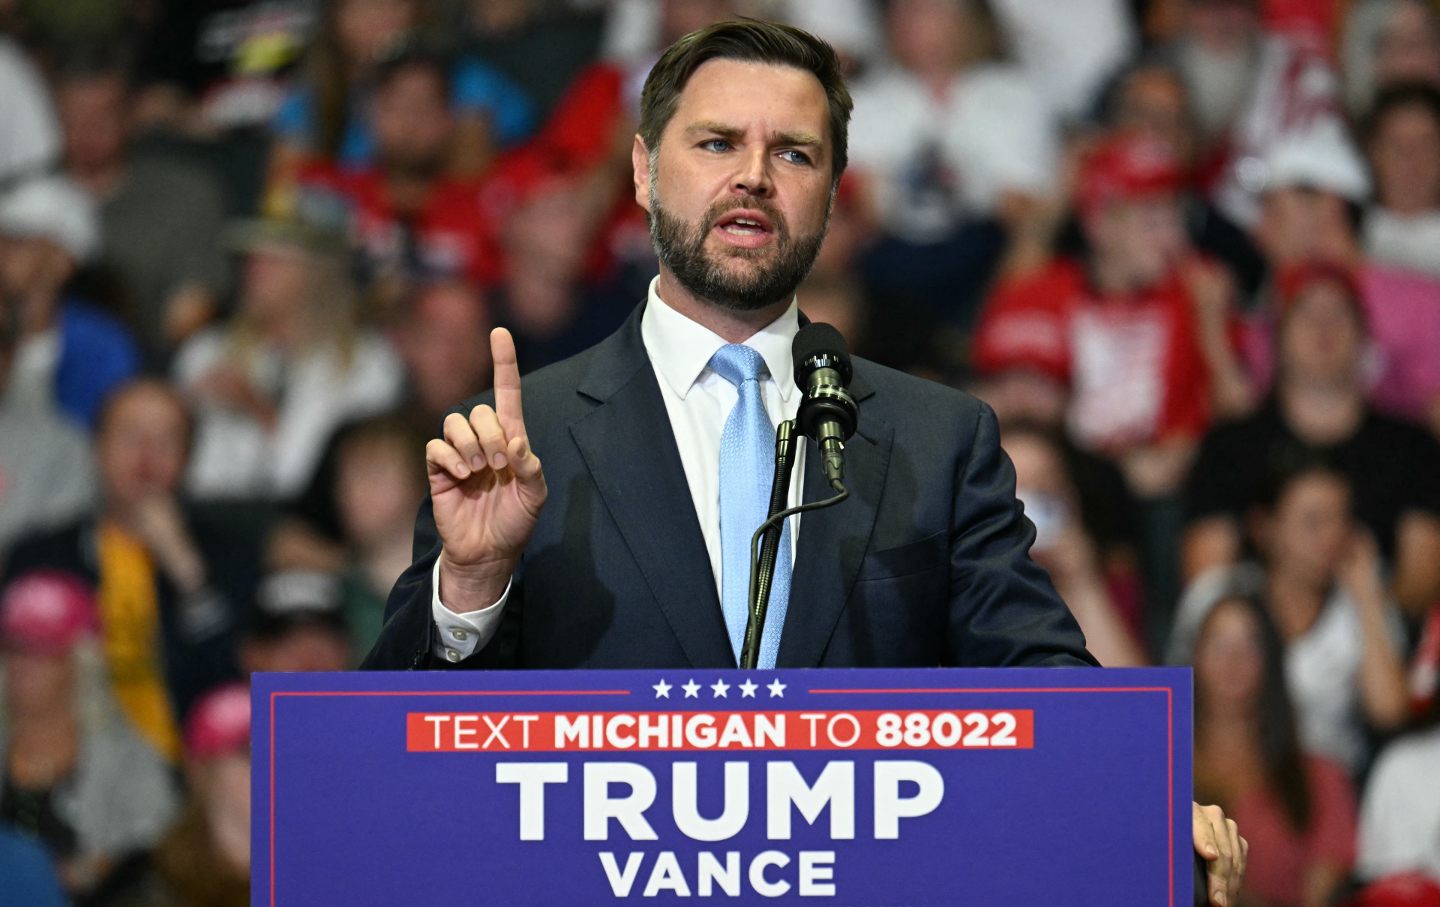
column 692, row 689
column 662, row 690
column 720, row 687
column 747, row 689
column 777, row 689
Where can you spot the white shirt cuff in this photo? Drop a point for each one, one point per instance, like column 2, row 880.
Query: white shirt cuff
column 460, row 635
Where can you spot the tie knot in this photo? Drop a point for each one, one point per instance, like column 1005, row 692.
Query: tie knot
column 737, row 363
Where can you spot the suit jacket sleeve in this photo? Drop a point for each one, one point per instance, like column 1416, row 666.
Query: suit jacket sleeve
column 1004, row 611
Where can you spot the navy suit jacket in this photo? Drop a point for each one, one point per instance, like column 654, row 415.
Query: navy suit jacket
column 926, row 563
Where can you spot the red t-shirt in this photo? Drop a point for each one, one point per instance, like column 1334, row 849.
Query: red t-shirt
column 1279, row 856
column 1133, row 361
column 447, row 238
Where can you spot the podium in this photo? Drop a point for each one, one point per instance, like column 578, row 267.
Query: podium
column 861, row 788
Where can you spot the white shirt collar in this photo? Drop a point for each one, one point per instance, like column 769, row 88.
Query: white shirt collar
column 680, row 349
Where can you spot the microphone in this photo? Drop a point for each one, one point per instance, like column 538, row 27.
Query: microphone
column 828, row 414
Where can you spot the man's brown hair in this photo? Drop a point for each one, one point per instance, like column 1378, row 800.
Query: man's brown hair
column 755, row 41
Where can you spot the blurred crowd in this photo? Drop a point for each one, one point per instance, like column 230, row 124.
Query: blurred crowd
column 251, row 250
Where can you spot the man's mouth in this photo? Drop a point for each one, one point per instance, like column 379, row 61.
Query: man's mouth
column 745, row 228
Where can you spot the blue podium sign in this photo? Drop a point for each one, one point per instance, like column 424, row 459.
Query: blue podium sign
column 873, row 788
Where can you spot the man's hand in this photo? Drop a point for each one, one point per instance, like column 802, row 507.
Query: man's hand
column 1218, row 841
column 159, row 523
column 487, row 488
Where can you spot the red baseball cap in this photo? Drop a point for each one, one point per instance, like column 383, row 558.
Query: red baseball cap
column 47, row 611
column 1410, row 890
column 1295, row 279
column 219, row 724
column 1127, row 167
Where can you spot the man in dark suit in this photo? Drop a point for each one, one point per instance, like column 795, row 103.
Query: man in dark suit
column 741, row 147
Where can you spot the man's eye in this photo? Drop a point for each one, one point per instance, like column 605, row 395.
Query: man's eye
column 715, row 145
column 795, row 157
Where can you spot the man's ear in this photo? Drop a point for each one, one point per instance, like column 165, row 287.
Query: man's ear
column 640, row 162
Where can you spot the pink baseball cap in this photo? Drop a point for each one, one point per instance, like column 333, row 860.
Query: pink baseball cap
column 47, row 611
column 219, row 723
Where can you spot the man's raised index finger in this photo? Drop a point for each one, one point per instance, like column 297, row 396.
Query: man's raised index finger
column 507, row 383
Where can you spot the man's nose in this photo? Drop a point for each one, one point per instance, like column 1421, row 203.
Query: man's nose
column 753, row 176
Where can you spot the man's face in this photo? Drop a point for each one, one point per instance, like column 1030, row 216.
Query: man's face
column 740, row 187
column 445, row 346
column 141, row 446
column 92, row 113
column 1152, row 104
column 1224, row 26
column 1139, row 239
column 1321, row 338
column 1405, row 153
column 1407, row 49
column 412, row 122
column 1302, row 224
column 304, row 647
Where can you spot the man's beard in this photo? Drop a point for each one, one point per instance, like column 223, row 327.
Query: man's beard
column 681, row 248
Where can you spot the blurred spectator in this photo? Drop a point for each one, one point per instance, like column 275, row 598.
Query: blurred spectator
column 378, row 485
column 165, row 589
column 546, row 300
column 1318, row 409
column 1389, row 42
column 835, row 301
column 301, row 624
column 204, row 861
column 76, row 778
column 1400, row 812
column 291, row 365
column 1251, row 90
column 444, row 342
column 1064, row 547
column 216, row 65
column 160, row 217
column 445, row 345
column 353, row 521
column 46, row 476
column 71, row 354
column 1297, row 808
column 1402, row 139
column 543, row 46
column 852, row 27
column 1324, row 589
column 1151, row 100
column 411, row 221
column 328, row 114
column 1311, row 212
column 949, row 145
column 1141, row 330
column 1068, row 50
column 29, row 135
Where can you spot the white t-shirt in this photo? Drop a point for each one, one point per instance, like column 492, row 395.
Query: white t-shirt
column 29, row 133
column 1400, row 813
column 1322, row 667
column 936, row 162
column 1407, row 242
column 1068, row 49
column 235, row 457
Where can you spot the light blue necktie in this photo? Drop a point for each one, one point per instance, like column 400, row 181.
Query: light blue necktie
column 747, row 465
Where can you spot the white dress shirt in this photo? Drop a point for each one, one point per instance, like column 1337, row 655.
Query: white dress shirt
column 698, row 402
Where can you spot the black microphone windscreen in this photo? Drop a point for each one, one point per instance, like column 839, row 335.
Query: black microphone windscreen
column 819, row 345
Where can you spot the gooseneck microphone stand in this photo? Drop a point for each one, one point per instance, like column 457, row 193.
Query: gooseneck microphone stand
column 766, row 540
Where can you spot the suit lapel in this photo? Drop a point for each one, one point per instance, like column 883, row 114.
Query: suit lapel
column 629, row 448
column 834, row 540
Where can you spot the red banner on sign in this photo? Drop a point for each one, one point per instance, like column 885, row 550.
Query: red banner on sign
column 550, row 732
